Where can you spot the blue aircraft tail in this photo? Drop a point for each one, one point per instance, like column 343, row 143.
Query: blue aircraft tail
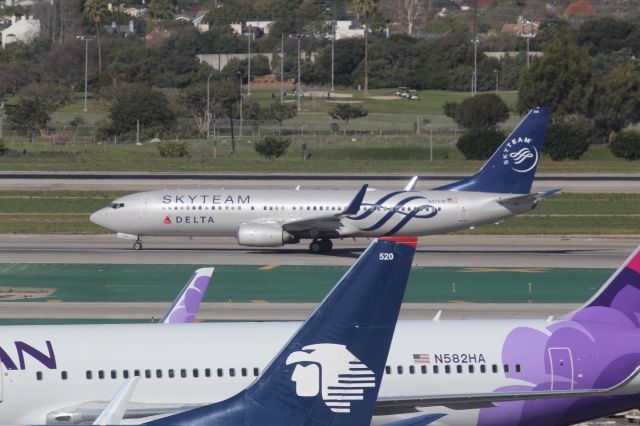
column 329, row 373
column 511, row 169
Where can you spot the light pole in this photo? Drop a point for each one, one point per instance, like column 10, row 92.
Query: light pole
column 1, row 118
column 86, row 66
column 527, row 35
column 474, row 81
column 497, row 73
column 282, row 68
column 298, row 81
column 430, row 142
column 333, row 40
column 249, row 64
column 240, row 78
column 208, row 108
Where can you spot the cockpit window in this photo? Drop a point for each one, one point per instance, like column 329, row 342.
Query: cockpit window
column 116, row 205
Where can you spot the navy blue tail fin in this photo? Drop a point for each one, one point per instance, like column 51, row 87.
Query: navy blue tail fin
column 331, row 369
column 511, row 169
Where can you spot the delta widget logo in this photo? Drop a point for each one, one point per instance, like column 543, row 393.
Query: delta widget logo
column 167, row 220
column 333, row 372
column 520, row 154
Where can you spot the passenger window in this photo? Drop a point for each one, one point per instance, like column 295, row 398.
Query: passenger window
column 423, row 369
column 207, row 372
column 483, row 368
column 39, row 375
column 471, row 369
column 136, row 373
column 147, row 374
column 256, row 372
column 253, row 208
column 243, row 372
column 232, row 372
column 171, row 373
column 125, row 374
column 412, row 369
column 387, row 369
column 506, row 368
column 101, row 374
column 63, row 375
column 435, row 369
column 159, row 374
column 459, row 369
column 114, row 374
column 220, row 372
column 183, row 373
column 494, row 368
column 88, row 375
column 518, row 369
column 264, row 208
column 399, row 369
column 196, row 373
column 447, row 369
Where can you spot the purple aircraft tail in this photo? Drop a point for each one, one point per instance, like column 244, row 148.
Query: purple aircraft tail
column 618, row 300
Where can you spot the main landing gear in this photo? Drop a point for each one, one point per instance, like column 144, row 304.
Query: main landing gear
column 320, row 246
column 137, row 245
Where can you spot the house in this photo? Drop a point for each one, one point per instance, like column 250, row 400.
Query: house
column 133, row 12
column 522, row 28
column 348, row 29
column 22, row 29
column 257, row 28
column 115, row 29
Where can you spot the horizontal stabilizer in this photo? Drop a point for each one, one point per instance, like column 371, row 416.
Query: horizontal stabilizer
column 534, row 197
column 628, row 386
column 412, row 184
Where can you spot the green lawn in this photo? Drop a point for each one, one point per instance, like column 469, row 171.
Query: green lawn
column 68, row 212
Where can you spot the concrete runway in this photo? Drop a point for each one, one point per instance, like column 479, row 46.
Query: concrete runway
column 144, row 182
column 439, row 250
column 271, row 311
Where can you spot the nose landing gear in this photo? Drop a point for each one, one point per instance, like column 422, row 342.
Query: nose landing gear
column 321, row 246
column 137, row 245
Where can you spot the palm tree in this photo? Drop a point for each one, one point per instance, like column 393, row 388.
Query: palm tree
column 94, row 10
column 364, row 9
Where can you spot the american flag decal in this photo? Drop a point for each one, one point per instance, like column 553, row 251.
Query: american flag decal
column 421, row 359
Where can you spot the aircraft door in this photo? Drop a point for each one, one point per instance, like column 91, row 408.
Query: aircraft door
column 463, row 210
column 146, row 208
column 561, row 364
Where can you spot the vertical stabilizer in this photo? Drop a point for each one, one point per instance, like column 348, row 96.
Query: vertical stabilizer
column 619, row 298
column 511, row 169
column 187, row 304
column 329, row 373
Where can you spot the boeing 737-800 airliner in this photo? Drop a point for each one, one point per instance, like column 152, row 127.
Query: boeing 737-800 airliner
column 271, row 218
column 499, row 373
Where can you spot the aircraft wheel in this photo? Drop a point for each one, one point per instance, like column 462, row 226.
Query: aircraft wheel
column 315, row 246
column 137, row 245
column 326, row 245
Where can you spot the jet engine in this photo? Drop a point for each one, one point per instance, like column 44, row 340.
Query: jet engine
column 263, row 235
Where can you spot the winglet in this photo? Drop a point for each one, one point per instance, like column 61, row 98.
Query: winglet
column 355, row 204
column 114, row 411
column 412, row 184
column 185, row 307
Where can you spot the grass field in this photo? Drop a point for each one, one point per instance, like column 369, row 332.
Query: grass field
column 68, row 212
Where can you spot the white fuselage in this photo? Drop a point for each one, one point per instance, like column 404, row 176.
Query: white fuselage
column 218, row 212
column 211, row 362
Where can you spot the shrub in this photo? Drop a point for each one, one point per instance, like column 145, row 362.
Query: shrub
column 485, row 110
column 479, row 144
column 272, row 146
column 173, row 149
column 626, row 144
column 565, row 141
column 3, row 148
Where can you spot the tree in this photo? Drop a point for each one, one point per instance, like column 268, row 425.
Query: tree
column 95, row 10
column 564, row 141
column 364, row 9
column 450, row 109
column 161, row 10
column 280, row 112
column 272, row 147
column 626, row 144
column 615, row 100
column 606, row 35
column 479, row 144
column 346, row 112
column 559, row 78
column 140, row 103
column 225, row 102
column 485, row 110
column 194, row 99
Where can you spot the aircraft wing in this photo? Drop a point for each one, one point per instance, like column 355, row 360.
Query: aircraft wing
column 326, row 221
column 384, row 406
column 535, row 197
column 114, row 411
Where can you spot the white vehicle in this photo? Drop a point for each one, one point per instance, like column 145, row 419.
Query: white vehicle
column 272, row 218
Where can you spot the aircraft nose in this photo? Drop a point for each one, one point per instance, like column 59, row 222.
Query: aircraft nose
column 99, row 218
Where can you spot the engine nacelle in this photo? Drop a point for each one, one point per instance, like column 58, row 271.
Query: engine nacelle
column 263, row 235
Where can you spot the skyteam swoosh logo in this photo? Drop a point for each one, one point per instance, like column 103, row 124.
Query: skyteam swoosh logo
column 521, row 155
column 425, row 211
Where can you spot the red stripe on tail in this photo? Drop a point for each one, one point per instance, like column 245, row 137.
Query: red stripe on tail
column 410, row 241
